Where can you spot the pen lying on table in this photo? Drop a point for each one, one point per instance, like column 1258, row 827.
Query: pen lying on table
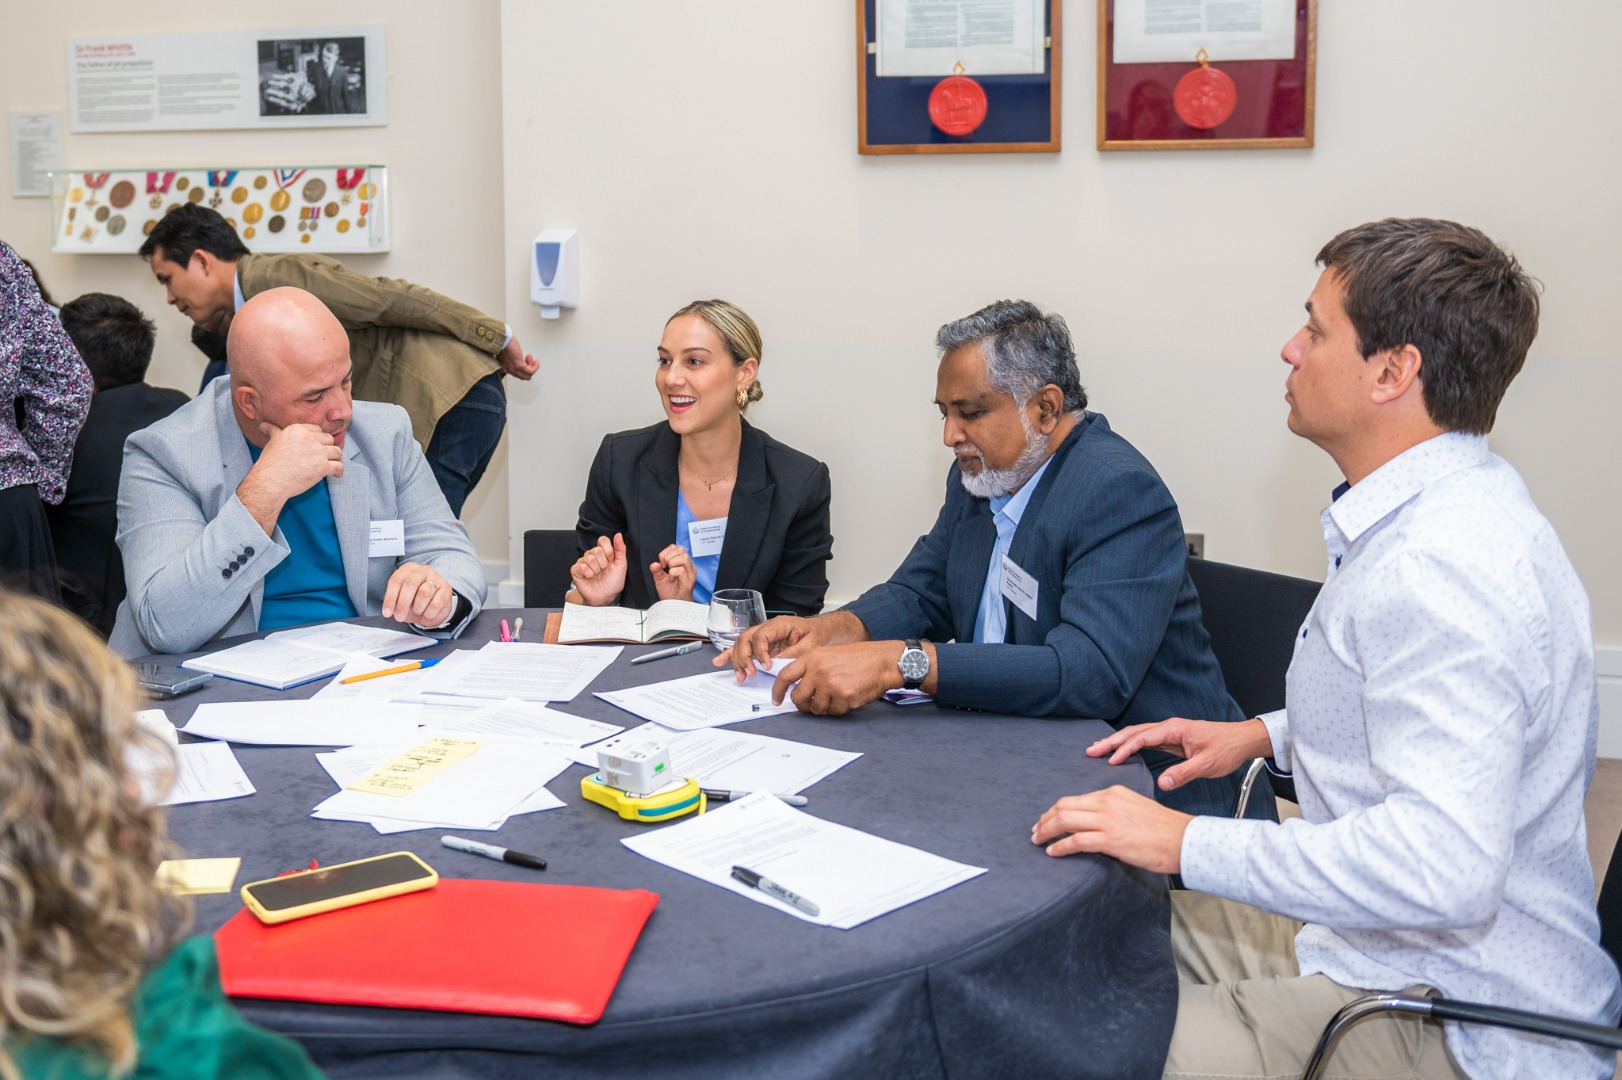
column 396, row 670
column 720, row 795
column 491, row 851
column 679, row 650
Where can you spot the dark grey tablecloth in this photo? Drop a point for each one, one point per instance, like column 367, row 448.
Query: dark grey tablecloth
column 1039, row 967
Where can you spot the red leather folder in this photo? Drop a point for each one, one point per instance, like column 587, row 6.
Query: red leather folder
column 503, row 947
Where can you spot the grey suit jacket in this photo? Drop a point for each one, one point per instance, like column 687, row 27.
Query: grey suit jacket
column 195, row 560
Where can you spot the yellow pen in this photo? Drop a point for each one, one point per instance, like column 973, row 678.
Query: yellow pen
column 413, row 666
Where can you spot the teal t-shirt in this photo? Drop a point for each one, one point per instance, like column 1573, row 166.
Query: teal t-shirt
column 309, row 585
column 185, row 1029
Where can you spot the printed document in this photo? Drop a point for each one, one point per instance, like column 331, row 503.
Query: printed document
column 515, row 719
column 851, row 875
column 700, row 701
column 1174, row 31
column 737, row 760
column 521, row 669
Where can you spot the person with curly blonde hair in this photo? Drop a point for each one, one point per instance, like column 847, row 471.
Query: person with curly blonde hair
column 97, row 977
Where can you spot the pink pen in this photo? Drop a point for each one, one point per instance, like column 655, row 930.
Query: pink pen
column 506, row 635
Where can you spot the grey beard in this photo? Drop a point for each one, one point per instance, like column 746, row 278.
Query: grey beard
column 995, row 483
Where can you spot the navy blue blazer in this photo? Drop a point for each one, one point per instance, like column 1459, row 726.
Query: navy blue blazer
column 1118, row 634
column 778, row 537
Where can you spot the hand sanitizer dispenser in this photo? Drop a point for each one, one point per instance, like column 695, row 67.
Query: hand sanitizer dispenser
column 554, row 271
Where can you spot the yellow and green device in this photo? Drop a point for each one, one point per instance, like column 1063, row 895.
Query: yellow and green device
column 655, row 806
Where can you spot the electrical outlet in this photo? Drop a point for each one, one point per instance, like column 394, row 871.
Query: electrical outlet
column 1196, row 544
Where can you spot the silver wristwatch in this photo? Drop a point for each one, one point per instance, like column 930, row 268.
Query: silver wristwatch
column 914, row 665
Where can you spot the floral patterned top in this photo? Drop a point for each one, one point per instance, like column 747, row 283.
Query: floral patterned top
column 43, row 380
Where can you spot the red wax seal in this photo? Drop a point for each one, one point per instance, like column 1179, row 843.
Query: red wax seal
column 1204, row 98
column 957, row 105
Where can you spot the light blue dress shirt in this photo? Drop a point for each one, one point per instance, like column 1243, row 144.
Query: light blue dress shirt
column 1441, row 718
column 704, row 566
column 991, row 625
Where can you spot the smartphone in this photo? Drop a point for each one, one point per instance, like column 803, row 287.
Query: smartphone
column 167, row 680
column 341, row 885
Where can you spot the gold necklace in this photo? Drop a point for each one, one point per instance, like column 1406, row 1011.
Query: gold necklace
column 709, row 485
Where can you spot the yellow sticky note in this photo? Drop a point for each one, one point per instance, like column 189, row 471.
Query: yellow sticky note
column 198, row 877
column 414, row 768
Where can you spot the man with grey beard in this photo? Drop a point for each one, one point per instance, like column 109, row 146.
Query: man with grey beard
column 1054, row 582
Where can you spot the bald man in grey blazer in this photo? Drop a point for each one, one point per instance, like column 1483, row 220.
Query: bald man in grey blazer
column 254, row 506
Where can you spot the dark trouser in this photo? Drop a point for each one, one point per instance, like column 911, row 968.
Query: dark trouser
column 465, row 439
column 27, row 556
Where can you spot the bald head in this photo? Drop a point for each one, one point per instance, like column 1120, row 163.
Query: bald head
column 289, row 364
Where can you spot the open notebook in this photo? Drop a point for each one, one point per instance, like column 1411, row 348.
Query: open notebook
column 668, row 620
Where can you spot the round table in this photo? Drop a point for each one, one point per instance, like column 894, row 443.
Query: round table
column 1039, row 967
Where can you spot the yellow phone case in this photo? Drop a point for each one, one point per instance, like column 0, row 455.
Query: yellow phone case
column 333, row 903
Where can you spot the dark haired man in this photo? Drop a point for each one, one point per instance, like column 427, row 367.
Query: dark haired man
column 1055, row 580
column 439, row 359
column 1440, row 718
column 116, row 341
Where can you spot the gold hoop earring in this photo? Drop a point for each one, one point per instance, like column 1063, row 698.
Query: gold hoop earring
column 743, row 398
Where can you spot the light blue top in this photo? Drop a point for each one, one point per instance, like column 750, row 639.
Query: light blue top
column 309, row 585
column 991, row 625
column 704, row 566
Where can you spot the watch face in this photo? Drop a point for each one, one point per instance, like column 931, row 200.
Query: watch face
column 914, row 664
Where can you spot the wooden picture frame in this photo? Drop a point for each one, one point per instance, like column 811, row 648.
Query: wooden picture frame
column 892, row 113
column 1274, row 110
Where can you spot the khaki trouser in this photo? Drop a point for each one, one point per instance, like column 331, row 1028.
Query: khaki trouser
column 1244, row 1010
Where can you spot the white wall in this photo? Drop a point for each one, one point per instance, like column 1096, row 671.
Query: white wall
column 442, row 146
column 709, row 149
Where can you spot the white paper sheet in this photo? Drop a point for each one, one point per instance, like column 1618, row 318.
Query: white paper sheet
column 737, row 760
column 989, row 37
column 515, row 719
column 305, row 723
column 701, row 701
column 503, row 777
column 525, row 670
column 851, row 875
column 207, row 772
column 1168, row 31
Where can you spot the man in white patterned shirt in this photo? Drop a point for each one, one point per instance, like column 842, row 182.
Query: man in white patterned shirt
column 1440, row 716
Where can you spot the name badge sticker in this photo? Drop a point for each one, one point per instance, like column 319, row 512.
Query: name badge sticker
column 1018, row 587
column 706, row 537
column 386, row 538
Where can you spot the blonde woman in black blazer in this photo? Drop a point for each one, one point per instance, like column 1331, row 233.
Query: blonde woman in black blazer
column 704, row 464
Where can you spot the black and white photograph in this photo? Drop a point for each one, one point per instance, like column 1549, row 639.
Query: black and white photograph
column 312, row 77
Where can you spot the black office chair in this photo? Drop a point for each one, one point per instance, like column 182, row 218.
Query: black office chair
column 1469, row 1012
column 1253, row 617
column 548, row 554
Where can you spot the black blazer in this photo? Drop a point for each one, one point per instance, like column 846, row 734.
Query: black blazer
column 83, row 527
column 778, row 539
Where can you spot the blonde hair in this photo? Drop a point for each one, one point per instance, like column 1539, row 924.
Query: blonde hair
column 81, row 919
column 738, row 333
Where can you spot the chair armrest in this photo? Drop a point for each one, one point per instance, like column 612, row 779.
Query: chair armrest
column 1441, row 1008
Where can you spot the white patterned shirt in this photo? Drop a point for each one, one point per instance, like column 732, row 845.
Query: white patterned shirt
column 1441, row 723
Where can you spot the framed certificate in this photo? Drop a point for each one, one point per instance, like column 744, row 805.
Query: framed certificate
column 957, row 76
column 1206, row 75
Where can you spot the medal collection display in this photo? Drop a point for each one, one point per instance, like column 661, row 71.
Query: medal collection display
column 303, row 208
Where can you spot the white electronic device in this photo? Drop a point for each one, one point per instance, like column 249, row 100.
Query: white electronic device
column 554, row 271
column 634, row 763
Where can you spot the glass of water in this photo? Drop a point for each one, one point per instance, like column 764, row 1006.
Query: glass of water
column 732, row 611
